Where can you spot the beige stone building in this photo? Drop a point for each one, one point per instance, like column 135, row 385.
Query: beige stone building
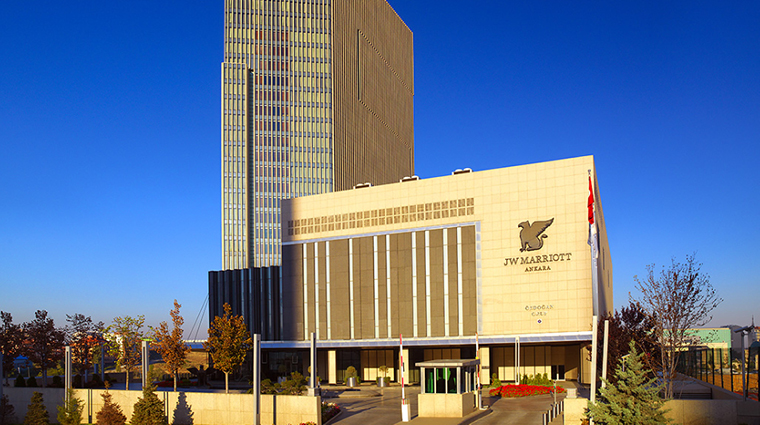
column 502, row 253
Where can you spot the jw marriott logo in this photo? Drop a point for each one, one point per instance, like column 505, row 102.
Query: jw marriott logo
column 532, row 239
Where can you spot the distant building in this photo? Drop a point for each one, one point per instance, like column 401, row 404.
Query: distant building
column 499, row 255
column 317, row 96
column 709, row 338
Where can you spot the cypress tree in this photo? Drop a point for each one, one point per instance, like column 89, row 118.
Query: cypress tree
column 633, row 399
column 36, row 414
column 148, row 410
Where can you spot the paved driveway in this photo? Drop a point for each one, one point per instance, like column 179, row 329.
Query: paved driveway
column 382, row 409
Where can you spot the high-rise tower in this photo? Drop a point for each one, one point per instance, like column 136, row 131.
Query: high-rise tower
column 317, row 96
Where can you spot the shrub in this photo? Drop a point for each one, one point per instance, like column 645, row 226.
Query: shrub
column 20, row 382
column 148, row 410
column 7, row 411
column 296, row 385
column 77, row 381
column 71, row 411
column 96, row 382
column 31, row 382
column 495, row 381
column 36, row 414
column 111, row 413
column 57, row 382
column 351, row 372
column 267, row 387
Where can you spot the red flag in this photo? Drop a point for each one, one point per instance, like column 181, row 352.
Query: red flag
column 590, row 202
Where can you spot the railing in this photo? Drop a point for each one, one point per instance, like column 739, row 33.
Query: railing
column 722, row 368
column 554, row 411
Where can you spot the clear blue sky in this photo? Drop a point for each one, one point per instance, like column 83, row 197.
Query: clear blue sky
column 109, row 136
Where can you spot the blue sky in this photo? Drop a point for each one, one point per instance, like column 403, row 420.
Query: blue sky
column 109, row 136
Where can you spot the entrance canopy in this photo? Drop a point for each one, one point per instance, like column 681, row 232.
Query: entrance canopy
column 448, row 376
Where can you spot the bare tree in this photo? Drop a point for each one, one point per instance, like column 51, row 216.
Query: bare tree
column 43, row 342
column 169, row 343
column 678, row 298
column 11, row 336
column 124, row 337
column 83, row 335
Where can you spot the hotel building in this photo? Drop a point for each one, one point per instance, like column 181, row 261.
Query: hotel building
column 317, row 96
column 502, row 255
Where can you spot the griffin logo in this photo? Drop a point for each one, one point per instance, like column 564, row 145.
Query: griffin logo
column 532, row 235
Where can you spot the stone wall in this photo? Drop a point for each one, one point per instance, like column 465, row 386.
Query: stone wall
column 184, row 407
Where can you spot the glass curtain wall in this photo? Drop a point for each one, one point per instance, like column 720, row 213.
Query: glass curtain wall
column 277, row 120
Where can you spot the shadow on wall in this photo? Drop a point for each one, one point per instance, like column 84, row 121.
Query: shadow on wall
column 183, row 414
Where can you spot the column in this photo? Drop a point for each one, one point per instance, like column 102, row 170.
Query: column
column 485, row 365
column 332, row 367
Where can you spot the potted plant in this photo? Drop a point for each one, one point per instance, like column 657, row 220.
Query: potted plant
column 351, row 377
column 382, row 381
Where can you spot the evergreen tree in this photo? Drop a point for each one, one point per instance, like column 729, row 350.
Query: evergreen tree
column 149, row 410
column 7, row 411
column 71, row 411
column 111, row 413
column 36, row 414
column 633, row 399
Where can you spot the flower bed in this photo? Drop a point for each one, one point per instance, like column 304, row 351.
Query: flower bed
column 329, row 410
column 523, row 390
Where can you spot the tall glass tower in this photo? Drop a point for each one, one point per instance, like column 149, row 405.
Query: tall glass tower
column 317, row 96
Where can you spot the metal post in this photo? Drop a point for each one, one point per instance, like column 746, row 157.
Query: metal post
column 102, row 362
column 477, row 356
column 257, row 379
column 594, row 343
column 604, row 351
column 313, row 360
column 145, row 361
column 744, row 374
column 517, row 360
column 67, row 371
column 404, row 405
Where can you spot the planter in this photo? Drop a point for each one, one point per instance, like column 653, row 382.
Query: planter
column 383, row 382
column 351, row 382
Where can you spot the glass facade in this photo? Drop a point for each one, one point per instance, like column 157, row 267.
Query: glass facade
column 296, row 118
column 277, row 120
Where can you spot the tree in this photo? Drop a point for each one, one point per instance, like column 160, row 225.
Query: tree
column 36, row 413
column 124, row 337
column 83, row 336
column 148, row 410
column 228, row 341
column 633, row 399
column 169, row 343
column 628, row 324
column 7, row 411
column 679, row 298
column 11, row 336
column 44, row 342
column 111, row 413
column 71, row 411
